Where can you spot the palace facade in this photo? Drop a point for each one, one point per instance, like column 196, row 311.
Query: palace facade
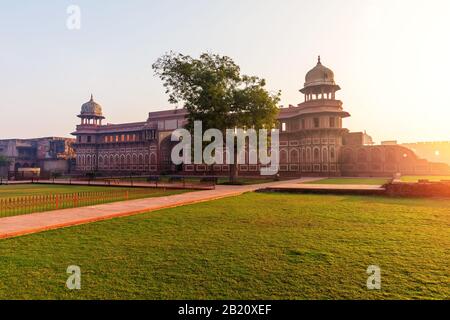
column 313, row 141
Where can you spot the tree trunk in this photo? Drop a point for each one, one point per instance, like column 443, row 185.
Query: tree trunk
column 234, row 167
column 233, row 173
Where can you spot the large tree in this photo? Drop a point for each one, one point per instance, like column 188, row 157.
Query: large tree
column 213, row 90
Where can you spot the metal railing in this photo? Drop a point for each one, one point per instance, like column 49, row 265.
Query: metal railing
column 38, row 203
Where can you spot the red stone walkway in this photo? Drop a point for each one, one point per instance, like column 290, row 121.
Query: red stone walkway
column 36, row 222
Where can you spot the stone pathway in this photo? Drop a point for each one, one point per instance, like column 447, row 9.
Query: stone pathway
column 36, row 222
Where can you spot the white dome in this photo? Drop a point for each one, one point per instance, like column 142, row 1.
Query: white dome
column 319, row 75
column 91, row 108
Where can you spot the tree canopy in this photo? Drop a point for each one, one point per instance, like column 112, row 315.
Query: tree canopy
column 213, row 90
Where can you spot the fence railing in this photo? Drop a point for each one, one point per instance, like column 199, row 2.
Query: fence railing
column 202, row 182
column 38, row 203
column 180, row 182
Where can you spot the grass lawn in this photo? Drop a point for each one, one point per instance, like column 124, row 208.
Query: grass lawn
column 11, row 191
column 417, row 178
column 15, row 191
column 367, row 181
column 255, row 246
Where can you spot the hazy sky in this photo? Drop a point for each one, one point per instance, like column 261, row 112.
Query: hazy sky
column 391, row 58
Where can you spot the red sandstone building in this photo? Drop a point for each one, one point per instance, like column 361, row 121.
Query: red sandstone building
column 49, row 154
column 313, row 141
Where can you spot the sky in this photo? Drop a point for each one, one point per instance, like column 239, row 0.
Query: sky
column 390, row 57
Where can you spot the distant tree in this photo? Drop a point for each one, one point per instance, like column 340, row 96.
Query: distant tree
column 3, row 161
column 213, row 90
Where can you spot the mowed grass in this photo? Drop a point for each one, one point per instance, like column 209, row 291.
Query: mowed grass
column 360, row 181
column 254, row 246
column 430, row 178
column 12, row 191
column 91, row 196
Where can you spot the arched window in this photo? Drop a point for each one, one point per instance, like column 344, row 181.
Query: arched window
column 332, row 154
column 153, row 158
column 294, row 156
column 308, row 154
column 325, row 155
column 316, row 155
column 283, row 156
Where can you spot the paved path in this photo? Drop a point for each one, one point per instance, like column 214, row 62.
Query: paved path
column 36, row 222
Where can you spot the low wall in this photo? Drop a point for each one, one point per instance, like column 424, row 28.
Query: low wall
column 60, row 166
column 425, row 189
column 396, row 189
column 335, row 191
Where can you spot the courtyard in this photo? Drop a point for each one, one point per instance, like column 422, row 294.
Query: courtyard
column 252, row 246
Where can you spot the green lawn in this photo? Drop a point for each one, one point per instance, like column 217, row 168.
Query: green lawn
column 367, row 181
column 417, row 178
column 255, row 246
column 92, row 195
column 10, row 191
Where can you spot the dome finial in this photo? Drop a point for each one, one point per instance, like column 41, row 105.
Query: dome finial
column 318, row 60
column 92, row 97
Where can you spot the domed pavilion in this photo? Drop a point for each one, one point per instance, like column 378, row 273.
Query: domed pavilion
column 91, row 113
